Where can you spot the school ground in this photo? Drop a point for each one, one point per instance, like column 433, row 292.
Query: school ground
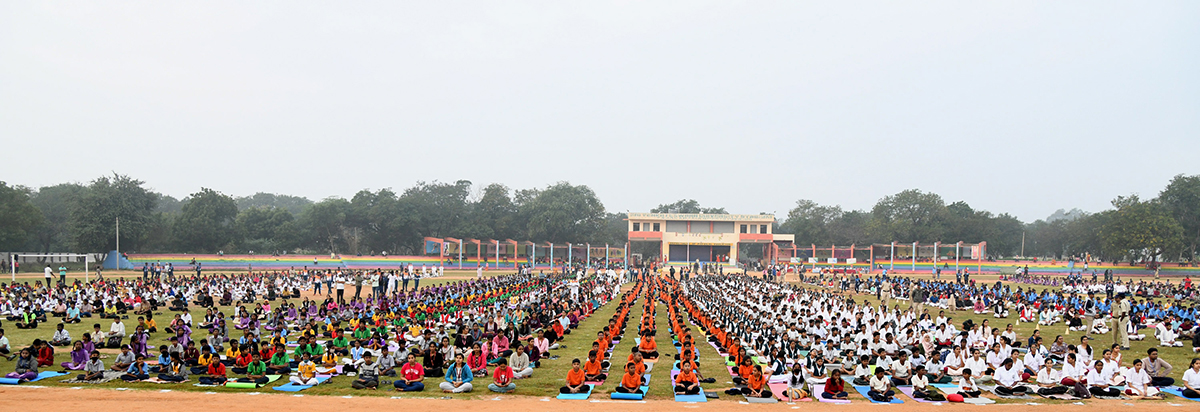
column 535, row 393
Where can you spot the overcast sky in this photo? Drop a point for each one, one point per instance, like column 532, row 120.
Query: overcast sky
column 1019, row 107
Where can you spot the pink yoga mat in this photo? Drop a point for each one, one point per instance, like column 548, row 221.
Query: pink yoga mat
column 780, row 391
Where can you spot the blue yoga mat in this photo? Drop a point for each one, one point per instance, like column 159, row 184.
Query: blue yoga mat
column 48, row 374
column 292, row 387
column 692, row 398
column 864, row 389
column 1177, row 391
column 577, row 396
column 634, row 396
column 9, row 381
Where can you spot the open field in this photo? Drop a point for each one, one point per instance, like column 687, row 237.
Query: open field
column 531, row 393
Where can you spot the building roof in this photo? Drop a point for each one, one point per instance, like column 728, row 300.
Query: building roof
column 702, row 217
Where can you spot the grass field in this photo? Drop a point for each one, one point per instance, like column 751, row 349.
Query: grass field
column 550, row 376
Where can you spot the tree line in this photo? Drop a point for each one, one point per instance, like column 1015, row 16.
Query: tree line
column 82, row 217
column 1164, row 228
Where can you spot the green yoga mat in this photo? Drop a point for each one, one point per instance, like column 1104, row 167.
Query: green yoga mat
column 250, row 385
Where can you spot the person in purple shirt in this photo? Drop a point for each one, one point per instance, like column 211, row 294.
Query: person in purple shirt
column 79, row 358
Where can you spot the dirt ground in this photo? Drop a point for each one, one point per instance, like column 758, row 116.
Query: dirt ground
column 48, row 399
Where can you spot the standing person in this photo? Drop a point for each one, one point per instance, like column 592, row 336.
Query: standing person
column 62, row 274
column 1089, row 313
column 340, row 282
column 416, row 280
column 49, row 277
column 358, row 282
column 1121, row 313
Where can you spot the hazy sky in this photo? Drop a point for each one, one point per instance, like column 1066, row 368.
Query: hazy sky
column 1020, row 107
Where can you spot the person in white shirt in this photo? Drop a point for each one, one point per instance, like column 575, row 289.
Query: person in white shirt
column 1008, row 380
column 978, row 367
column 1137, row 383
column 1191, row 380
column 1072, row 371
column 1048, row 380
column 1100, row 381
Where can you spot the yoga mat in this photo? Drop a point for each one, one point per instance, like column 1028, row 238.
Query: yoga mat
column 241, row 385
column 908, row 391
column 752, row 399
column 9, row 381
column 780, row 391
column 292, row 387
column 701, row 397
column 630, row 396
column 48, row 374
column 633, row 396
column 818, row 389
column 577, row 396
column 993, row 392
column 862, row 390
column 595, row 383
column 1178, row 392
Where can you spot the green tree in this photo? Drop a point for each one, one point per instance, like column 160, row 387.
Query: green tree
column 564, row 213
column 1182, row 198
column 205, row 224
column 811, row 222
column 55, row 203
column 687, row 206
column 1141, row 230
column 95, row 213
column 293, row 204
column 18, row 216
column 909, row 216
column 324, row 224
column 265, row 229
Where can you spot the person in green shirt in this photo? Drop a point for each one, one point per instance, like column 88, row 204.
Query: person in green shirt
column 340, row 344
column 279, row 364
column 362, row 333
column 306, row 347
column 256, row 371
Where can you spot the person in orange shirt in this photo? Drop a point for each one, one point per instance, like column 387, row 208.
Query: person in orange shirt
column 594, row 369
column 575, row 379
column 648, row 347
column 635, row 357
column 631, row 382
column 744, row 371
column 686, row 382
column 756, row 386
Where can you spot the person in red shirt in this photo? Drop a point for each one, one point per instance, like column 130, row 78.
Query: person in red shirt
column 503, row 376
column 216, row 374
column 45, row 353
column 412, row 376
column 835, row 387
column 575, row 379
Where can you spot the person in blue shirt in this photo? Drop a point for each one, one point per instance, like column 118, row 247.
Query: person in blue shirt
column 458, row 377
column 137, row 371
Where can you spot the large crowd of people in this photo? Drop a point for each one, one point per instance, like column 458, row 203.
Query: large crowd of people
column 367, row 324
column 819, row 337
